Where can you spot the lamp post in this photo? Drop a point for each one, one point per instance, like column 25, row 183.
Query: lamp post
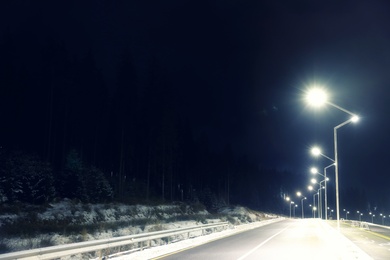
column 314, row 211
column 383, row 218
column 291, row 202
column 318, row 212
column 294, row 209
column 314, row 181
column 318, row 97
column 358, row 212
column 299, row 194
column 303, row 214
column 372, row 217
column 288, row 199
column 346, row 214
column 321, row 188
column 331, row 212
column 316, row 151
column 314, row 200
column 314, row 170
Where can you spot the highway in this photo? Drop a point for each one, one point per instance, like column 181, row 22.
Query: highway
column 288, row 239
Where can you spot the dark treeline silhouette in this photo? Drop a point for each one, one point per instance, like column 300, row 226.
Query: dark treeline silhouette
column 65, row 133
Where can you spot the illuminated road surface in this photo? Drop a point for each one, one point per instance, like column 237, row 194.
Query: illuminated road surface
column 289, row 239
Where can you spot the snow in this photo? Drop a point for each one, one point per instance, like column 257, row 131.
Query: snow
column 134, row 219
column 115, row 220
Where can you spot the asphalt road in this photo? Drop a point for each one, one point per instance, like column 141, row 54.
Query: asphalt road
column 288, row 239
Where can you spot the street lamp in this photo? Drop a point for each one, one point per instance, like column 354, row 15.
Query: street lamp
column 321, row 188
column 358, row 212
column 314, row 200
column 317, row 97
column 346, row 214
column 314, row 181
column 299, row 194
column 318, row 203
column 316, row 151
column 372, row 217
column 291, row 202
column 303, row 214
column 383, row 217
column 288, row 199
column 314, row 211
column 294, row 209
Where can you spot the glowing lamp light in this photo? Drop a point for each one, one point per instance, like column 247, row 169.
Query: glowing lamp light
column 316, row 151
column 316, row 97
column 313, row 181
column 313, row 170
column 355, row 119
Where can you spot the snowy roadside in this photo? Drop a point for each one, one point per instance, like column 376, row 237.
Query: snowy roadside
column 67, row 222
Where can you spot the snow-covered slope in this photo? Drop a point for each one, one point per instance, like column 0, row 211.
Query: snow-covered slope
column 68, row 222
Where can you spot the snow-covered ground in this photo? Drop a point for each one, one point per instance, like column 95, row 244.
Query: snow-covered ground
column 114, row 220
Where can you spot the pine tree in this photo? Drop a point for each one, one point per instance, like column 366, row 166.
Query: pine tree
column 28, row 179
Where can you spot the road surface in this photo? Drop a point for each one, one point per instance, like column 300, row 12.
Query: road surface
column 288, row 239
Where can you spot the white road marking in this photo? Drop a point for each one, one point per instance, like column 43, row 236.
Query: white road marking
column 261, row 244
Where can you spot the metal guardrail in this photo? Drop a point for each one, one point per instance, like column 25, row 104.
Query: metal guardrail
column 53, row 252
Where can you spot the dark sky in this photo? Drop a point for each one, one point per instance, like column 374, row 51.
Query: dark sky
column 239, row 69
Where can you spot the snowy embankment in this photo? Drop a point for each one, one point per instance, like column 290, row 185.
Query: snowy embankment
column 69, row 222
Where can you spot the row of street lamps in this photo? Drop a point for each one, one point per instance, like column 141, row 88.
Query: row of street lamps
column 299, row 194
column 317, row 97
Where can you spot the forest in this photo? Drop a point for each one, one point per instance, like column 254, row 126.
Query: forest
column 67, row 133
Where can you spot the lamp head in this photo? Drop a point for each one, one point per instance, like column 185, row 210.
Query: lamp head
column 316, row 151
column 313, row 170
column 354, row 119
column 316, row 97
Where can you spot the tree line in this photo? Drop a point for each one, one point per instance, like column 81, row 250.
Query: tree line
column 66, row 133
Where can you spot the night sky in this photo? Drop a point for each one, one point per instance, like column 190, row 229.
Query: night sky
column 236, row 71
